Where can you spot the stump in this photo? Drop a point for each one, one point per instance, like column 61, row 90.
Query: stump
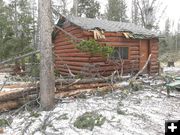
column 170, row 64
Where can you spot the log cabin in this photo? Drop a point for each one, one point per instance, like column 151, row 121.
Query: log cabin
column 132, row 45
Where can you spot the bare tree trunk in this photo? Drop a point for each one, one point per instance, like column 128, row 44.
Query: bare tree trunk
column 75, row 6
column 47, row 81
column 16, row 19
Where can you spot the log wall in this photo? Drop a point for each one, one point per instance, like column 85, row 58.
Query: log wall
column 107, row 67
column 154, row 64
column 68, row 57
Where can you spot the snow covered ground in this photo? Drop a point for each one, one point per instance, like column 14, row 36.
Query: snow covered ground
column 140, row 113
column 127, row 112
column 174, row 70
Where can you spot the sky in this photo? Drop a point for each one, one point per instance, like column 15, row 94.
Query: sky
column 172, row 11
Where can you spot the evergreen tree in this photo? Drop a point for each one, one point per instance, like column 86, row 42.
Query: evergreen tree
column 18, row 29
column 116, row 10
column 87, row 8
column 6, row 30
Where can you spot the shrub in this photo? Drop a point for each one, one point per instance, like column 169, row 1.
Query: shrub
column 94, row 48
column 88, row 120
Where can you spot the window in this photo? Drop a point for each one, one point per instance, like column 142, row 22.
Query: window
column 120, row 53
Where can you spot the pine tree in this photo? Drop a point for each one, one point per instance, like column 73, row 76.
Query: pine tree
column 17, row 30
column 116, row 10
column 6, row 31
column 87, row 8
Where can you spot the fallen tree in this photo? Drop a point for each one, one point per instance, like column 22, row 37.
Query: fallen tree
column 64, row 88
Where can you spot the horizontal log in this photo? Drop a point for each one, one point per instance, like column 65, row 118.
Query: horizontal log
column 64, row 37
column 110, row 61
column 71, row 67
column 118, row 44
column 74, row 33
column 64, row 73
column 76, row 92
column 134, row 52
column 134, row 48
column 134, row 57
column 12, row 95
column 13, row 99
column 77, row 31
column 77, row 36
column 64, row 43
column 154, row 72
column 84, row 81
column 97, row 59
column 66, row 51
column 155, row 57
column 108, row 34
column 80, row 86
column 118, row 39
column 79, row 59
column 74, row 55
column 154, row 61
column 68, row 46
column 73, row 37
column 155, row 52
column 67, row 71
column 71, row 28
column 154, row 67
column 72, row 63
column 9, row 105
column 60, row 39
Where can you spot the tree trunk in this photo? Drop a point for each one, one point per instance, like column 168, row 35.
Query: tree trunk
column 47, row 82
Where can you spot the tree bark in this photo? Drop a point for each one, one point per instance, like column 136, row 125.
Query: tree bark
column 47, row 81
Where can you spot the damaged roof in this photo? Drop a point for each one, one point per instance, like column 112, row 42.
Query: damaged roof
column 110, row 26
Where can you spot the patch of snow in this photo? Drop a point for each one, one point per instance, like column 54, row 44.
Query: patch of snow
column 144, row 114
column 171, row 69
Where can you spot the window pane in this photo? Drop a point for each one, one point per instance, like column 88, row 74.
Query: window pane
column 124, row 52
column 120, row 53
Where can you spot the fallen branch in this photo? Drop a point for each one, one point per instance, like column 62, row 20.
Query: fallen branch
column 145, row 65
column 91, row 80
column 69, row 34
column 18, row 57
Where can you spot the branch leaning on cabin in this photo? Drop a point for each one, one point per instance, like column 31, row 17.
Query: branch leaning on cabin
column 69, row 34
column 145, row 65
